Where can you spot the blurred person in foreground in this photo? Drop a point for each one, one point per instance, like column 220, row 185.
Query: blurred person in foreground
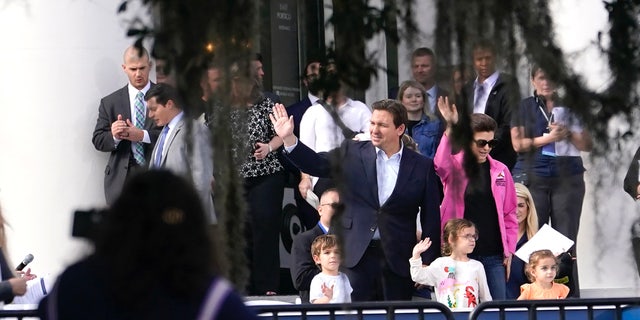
column 10, row 286
column 152, row 260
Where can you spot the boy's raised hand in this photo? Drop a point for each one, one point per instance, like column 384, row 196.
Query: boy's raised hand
column 327, row 291
column 421, row 247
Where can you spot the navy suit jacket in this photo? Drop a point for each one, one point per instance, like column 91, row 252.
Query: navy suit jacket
column 297, row 110
column 416, row 188
column 117, row 168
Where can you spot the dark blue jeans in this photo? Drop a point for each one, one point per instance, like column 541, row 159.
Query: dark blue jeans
column 496, row 275
column 559, row 200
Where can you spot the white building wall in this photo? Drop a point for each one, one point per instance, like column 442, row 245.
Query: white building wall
column 57, row 58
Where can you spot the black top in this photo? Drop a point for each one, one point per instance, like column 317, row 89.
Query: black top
column 81, row 292
column 6, row 292
column 517, row 277
column 480, row 208
column 410, row 125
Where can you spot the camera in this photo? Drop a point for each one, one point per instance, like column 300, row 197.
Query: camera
column 87, row 223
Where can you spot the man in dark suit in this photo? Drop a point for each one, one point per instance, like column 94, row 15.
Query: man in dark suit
column 309, row 77
column 494, row 94
column 424, row 68
column 122, row 127
column 383, row 186
column 303, row 267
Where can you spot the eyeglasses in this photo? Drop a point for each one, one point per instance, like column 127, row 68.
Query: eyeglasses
column 334, row 205
column 481, row 143
column 312, row 76
column 469, row 236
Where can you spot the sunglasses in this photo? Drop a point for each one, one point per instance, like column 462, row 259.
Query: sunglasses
column 481, row 143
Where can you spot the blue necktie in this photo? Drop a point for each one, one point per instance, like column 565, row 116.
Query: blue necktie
column 477, row 105
column 163, row 136
column 138, row 147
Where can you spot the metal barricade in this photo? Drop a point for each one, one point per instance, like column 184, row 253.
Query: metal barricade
column 533, row 308
column 389, row 310
column 19, row 314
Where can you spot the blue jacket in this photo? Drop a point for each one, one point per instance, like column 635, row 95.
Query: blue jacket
column 427, row 134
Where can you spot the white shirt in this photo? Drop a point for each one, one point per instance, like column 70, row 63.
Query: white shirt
column 387, row 172
column 465, row 290
column 132, row 100
column 488, row 85
column 319, row 132
column 341, row 287
column 312, row 98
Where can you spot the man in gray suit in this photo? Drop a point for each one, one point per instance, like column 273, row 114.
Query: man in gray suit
column 183, row 146
column 122, row 128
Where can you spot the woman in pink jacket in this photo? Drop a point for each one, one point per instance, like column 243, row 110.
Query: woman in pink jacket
column 488, row 199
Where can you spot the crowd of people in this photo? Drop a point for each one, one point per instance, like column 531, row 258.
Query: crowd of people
column 430, row 187
column 503, row 165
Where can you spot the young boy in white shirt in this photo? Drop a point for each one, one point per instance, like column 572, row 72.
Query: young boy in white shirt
column 330, row 285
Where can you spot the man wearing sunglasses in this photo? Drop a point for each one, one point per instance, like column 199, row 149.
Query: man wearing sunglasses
column 486, row 196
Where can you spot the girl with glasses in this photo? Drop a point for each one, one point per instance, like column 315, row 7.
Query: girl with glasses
column 527, row 227
column 460, row 281
column 484, row 194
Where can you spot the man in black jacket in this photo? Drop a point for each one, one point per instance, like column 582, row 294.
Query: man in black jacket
column 494, row 94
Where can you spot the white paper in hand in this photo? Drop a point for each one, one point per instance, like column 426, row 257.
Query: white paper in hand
column 312, row 199
column 546, row 238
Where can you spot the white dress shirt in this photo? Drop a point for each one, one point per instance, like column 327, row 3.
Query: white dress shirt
column 387, row 173
column 132, row 100
column 488, row 85
column 319, row 131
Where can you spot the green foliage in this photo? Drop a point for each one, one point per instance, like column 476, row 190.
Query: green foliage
column 187, row 33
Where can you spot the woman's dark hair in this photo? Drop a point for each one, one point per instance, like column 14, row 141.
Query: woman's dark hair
column 154, row 237
column 534, row 69
column 481, row 122
column 163, row 93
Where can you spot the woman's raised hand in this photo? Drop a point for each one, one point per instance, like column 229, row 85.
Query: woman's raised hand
column 449, row 111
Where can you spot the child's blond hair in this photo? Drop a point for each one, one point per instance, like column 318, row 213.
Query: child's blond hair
column 323, row 242
column 534, row 260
